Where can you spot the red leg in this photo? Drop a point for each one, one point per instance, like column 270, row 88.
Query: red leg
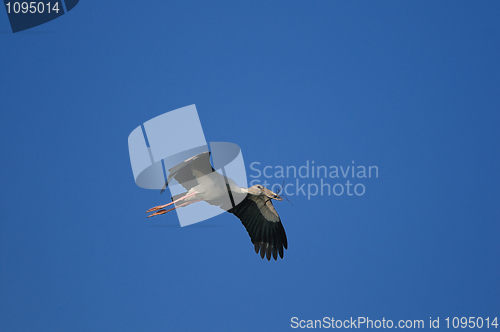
column 159, row 207
column 165, row 211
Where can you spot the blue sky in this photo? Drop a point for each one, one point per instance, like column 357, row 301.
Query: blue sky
column 411, row 87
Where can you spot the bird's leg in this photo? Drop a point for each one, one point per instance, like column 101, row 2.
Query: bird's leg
column 157, row 213
column 159, row 207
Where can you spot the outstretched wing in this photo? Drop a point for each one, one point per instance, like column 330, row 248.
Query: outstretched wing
column 263, row 224
column 187, row 172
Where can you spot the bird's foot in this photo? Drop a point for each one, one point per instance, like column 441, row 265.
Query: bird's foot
column 156, row 208
column 158, row 213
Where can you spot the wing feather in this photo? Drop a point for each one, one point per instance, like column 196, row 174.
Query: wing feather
column 263, row 225
column 187, row 172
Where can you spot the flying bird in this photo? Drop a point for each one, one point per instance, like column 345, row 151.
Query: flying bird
column 252, row 205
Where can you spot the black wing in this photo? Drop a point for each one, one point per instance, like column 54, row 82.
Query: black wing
column 189, row 170
column 263, row 225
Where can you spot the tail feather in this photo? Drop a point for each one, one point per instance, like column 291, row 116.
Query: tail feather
column 164, row 187
column 176, row 197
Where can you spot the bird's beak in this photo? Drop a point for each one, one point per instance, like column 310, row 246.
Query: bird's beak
column 273, row 195
column 278, row 198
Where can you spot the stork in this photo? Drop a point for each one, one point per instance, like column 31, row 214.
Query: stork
column 253, row 205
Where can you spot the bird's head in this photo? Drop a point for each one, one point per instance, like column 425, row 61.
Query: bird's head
column 261, row 190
